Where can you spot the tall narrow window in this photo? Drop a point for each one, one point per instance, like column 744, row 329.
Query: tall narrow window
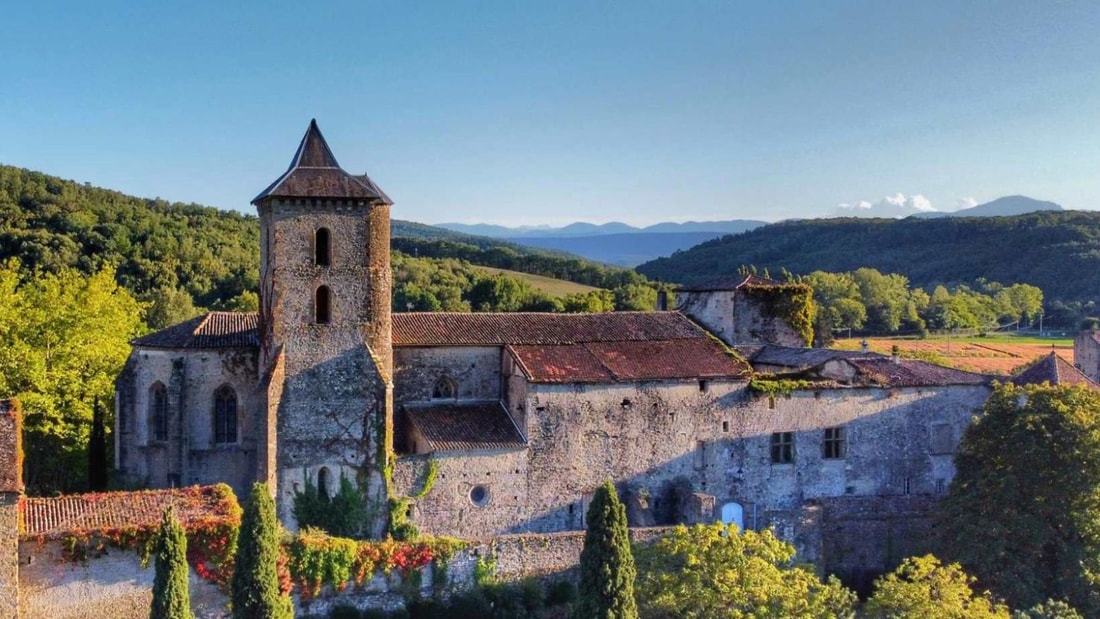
column 835, row 446
column 323, row 305
column 322, row 247
column 158, row 413
column 782, row 447
column 225, row 415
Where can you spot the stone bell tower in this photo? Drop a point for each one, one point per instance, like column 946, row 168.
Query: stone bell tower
column 325, row 327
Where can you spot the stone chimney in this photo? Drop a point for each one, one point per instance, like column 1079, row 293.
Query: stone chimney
column 11, row 492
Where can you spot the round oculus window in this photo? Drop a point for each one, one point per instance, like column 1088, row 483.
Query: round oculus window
column 479, row 495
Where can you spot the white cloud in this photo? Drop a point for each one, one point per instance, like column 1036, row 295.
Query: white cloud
column 896, row 205
column 967, row 202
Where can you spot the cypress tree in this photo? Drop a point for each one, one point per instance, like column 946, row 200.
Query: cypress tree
column 97, row 450
column 171, row 594
column 607, row 566
column 255, row 586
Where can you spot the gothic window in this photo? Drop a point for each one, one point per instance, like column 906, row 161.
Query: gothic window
column 158, row 412
column 835, row 446
column 444, row 389
column 225, row 415
column 782, row 447
column 322, row 247
column 322, row 306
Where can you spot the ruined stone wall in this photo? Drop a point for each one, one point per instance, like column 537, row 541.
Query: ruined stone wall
column 475, row 370
column 736, row 318
column 189, row 456
column 711, row 309
column 1086, row 354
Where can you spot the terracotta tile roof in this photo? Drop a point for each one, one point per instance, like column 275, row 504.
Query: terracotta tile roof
column 53, row 516
column 1054, row 370
column 314, row 173
column 498, row 329
column 598, row 362
column 214, row 330
column 462, row 426
column 730, row 282
column 887, row 372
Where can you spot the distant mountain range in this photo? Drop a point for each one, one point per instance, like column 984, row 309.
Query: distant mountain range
column 625, row 245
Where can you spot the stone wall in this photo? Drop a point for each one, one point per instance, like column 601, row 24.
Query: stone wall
column 1086, row 354
column 11, row 491
column 475, row 371
column 736, row 318
column 715, row 436
column 190, row 455
column 111, row 585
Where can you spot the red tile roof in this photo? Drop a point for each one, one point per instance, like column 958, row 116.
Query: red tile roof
column 887, row 372
column 596, row 362
column 314, row 173
column 1054, row 370
column 498, row 329
column 462, row 426
column 53, row 516
column 213, row 330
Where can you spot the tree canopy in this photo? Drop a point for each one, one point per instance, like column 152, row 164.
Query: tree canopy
column 607, row 565
column 923, row 588
column 1023, row 511
column 718, row 571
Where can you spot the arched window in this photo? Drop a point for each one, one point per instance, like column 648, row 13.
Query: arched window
column 322, row 247
column 158, row 412
column 444, row 389
column 225, row 415
column 322, row 306
column 322, row 482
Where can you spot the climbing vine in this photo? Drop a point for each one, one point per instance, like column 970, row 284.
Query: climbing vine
column 770, row 385
column 211, row 532
column 790, row 302
column 317, row 559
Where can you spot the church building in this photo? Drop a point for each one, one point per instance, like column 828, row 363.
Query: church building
column 479, row 424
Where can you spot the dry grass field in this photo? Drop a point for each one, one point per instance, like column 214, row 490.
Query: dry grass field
column 996, row 355
column 549, row 285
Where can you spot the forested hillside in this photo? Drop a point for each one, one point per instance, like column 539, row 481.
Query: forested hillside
column 1059, row 252
column 182, row 258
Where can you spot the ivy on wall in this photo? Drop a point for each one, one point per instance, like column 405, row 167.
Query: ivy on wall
column 790, row 302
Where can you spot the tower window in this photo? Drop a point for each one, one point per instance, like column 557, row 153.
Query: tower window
column 322, row 247
column 158, row 413
column 322, row 306
column 225, row 415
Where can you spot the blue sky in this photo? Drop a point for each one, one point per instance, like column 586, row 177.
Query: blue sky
column 551, row 112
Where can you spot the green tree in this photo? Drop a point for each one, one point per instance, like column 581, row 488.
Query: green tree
column 171, row 593
column 923, row 588
column 63, row 340
column 717, row 571
column 255, row 585
column 885, row 297
column 1023, row 512
column 1051, row 609
column 607, row 565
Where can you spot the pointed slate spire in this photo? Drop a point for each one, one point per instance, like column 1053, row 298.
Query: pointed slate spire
column 314, row 173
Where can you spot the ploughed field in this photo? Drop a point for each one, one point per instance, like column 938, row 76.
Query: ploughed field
column 988, row 355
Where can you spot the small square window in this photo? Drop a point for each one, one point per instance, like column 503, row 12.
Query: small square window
column 782, row 447
column 836, row 445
